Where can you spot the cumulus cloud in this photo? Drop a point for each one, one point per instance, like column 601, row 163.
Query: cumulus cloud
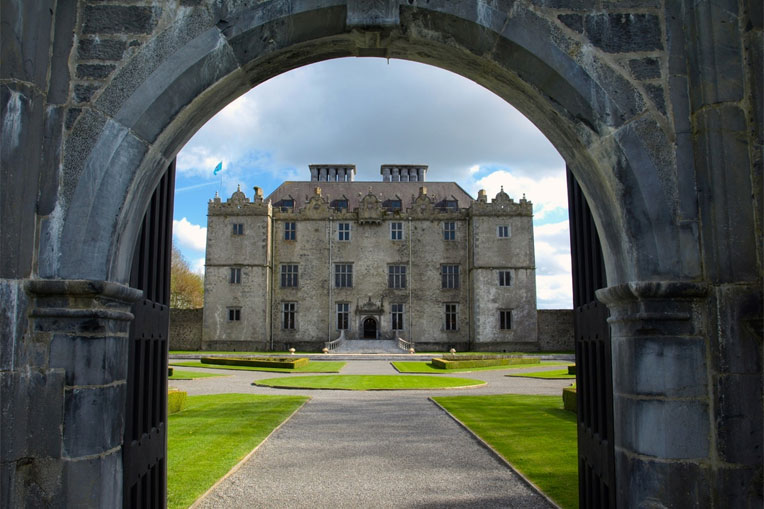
column 369, row 112
column 548, row 193
column 554, row 287
column 189, row 235
column 197, row 266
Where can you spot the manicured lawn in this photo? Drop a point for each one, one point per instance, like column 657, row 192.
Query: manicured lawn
column 178, row 374
column 556, row 374
column 311, row 367
column 534, row 433
column 213, row 434
column 427, row 367
column 369, row 382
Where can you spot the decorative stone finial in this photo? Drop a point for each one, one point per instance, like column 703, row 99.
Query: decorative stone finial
column 317, row 191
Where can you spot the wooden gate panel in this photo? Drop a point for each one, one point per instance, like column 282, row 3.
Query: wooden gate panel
column 144, row 448
column 594, row 380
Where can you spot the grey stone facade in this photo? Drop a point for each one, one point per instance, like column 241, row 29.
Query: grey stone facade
column 555, row 331
column 185, row 329
column 398, row 258
column 656, row 107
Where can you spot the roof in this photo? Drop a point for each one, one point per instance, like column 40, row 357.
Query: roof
column 354, row 191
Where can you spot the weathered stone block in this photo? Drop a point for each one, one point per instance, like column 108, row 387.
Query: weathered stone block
column 13, row 303
column 21, row 113
column 93, row 420
column 90, row 361
column 738, row 487
column 656, row 96
column 94, row 71
column 101, row 49
column 623, row 33
column 660, row 366
column 739, row 419
column 25, row 40
column 573, row 21
column 641, row 481
column 119, row 19
column 661, row 428
column 32, row 482
column 31, row 410
column 83, row 93
column 645, row 68
column 66, row 17
column 94, row 482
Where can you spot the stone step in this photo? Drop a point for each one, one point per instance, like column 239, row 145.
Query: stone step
column 368, row 346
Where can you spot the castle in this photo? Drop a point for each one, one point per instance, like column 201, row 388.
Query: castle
column 400, row 257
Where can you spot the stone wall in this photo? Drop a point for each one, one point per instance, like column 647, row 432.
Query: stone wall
column 185, row 329
column 556, row 330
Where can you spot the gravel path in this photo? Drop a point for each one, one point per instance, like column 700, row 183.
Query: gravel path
column 372, row 449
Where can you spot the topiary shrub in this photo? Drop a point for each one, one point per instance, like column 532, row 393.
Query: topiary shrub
column 169, row 371
column 258, row 362
column 479, row 361
column 572, row 369
column 569, row 398
column 176, row 400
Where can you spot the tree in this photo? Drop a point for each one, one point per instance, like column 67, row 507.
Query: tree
column 186, row 287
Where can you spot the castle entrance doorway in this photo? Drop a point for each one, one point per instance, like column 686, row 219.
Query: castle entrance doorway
column 370, row 328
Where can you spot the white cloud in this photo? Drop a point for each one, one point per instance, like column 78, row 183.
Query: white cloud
column 554, row 287
column 189, row 235
column 548, row 193
column 198, row 266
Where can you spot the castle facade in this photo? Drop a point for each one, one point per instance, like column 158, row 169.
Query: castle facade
column 400, row 257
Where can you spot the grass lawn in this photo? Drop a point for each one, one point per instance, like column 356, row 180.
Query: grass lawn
column 556, row 374
column 178, row 374
column 427, row 367
column 534, row 433
column 213, row 434
column 311, row 367
column 369, row 382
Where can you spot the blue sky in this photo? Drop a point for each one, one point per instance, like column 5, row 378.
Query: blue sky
column 370, row 112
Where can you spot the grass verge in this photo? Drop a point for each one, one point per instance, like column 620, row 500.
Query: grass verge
column 369, row 382
column 311, row 367
column 534, row 433
column 213, row 434
column 556, row 374
column 178, row 374
column 427, row 367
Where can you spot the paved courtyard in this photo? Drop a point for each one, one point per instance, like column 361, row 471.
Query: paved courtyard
column 372, row 449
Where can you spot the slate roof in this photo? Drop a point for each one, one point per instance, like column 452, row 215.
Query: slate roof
column 300, row 192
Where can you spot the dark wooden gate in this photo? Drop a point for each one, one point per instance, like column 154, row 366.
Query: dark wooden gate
column 594, row 381
column 145, row 442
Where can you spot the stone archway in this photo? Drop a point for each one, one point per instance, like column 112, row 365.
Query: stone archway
column 663, row 155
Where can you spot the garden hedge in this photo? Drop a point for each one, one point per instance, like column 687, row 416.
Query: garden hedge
column 176, row 400
column 258, row 362
column 479, row 361
column 569, row 398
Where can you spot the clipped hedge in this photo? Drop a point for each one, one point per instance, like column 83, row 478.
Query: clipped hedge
column 479, row 361
column 569, row 398
column 572, row 369
column 258, row 362
column 176, row 401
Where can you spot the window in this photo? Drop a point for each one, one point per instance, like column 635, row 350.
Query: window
column 238, row 228
column 396, row 231
column 235, row 276
column 505, row 319
column 343, row 231
column 450, row 317
column 290, row 231
column 343, row 275
column 449, row 231
column 343, row 312
column 451, row 205
column 288, row 276
column 397, row 316
column 340, row 204
column 287, row 205
column 288, row 312
column 234, row 314
column 450, row 276
column 503, row 231
column 505, row 278
column 393, row 205
column 396, row 276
